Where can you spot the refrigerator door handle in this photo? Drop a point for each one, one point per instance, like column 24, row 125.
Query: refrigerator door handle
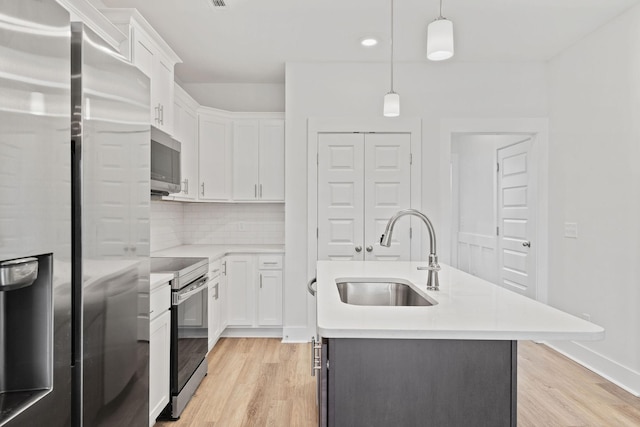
column 18, row 273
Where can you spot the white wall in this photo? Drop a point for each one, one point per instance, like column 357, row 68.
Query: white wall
column 238, row 97
column 432, row 92
column 594, row 163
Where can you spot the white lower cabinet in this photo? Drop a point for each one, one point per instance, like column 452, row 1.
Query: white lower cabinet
column 254, row 290
column 159, row 350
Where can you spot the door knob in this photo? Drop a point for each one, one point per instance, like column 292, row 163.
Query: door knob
column 358, row 249
column 526, row 244
column 369, row 248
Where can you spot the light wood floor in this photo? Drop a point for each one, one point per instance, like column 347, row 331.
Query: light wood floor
column 262, row 382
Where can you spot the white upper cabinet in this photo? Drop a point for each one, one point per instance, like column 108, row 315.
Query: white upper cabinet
column 153, row 56
column 214, row 160
column 185, row 130
column 258, row 160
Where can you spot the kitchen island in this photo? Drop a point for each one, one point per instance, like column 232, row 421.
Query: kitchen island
column 449, row 364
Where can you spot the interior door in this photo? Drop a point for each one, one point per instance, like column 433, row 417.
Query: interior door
column 340, row 196
column 516, row 194
column 387, row 189
column 363, row 179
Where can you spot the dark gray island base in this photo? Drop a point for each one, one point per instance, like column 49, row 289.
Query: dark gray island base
column 405, row 382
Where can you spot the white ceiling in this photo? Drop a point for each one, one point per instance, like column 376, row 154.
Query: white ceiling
column 250, row 40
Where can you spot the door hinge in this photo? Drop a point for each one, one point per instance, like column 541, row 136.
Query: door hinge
column 497, row 167
column 327, row 364
column 497, row 231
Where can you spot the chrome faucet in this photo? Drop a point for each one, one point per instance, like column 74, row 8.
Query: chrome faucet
column 434, row 267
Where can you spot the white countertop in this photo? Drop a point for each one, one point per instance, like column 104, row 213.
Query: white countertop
column 215, row 252
column 158, row 279
column 468, row 308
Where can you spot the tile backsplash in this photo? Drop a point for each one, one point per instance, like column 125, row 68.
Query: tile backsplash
column 174, row 223
column 167, row 224
column 213, row 224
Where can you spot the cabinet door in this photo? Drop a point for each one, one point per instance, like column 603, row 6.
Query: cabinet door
column 270, row 298
column 271, row 180
column 214, row 311
column 185, row 131
column 142, row 55
column 214, row 162
column 241, row 284
column 246, row 142
column 162, row 92
column 159, row 349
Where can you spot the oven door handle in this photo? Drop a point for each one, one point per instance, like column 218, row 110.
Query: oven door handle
column 183, row 295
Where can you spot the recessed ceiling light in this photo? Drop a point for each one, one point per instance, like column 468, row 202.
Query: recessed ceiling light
column 368, row 42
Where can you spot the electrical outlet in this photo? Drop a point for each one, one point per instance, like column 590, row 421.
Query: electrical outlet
column 586, row 316
column 571, row 230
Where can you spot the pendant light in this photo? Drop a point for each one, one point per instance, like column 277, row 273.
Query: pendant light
column 440, row 38
column 391, row 99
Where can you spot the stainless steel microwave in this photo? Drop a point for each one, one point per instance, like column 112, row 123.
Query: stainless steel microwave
column 165, row 163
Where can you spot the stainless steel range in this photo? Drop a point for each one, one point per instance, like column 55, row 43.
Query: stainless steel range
column 189, row 333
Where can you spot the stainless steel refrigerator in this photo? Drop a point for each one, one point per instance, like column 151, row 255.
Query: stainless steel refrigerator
column 74, row 224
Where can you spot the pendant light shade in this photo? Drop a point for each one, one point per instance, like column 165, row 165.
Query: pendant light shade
column 391, row 105
column 440, row 40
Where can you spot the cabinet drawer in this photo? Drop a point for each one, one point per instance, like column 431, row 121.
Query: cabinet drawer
column 215, row 268
column 160, row 301
column 270, row 262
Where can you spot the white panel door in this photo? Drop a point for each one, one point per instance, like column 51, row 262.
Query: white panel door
column 246, row 142
column 341, row 196
column 516, row 193
column 387, row 184
column 271, row 168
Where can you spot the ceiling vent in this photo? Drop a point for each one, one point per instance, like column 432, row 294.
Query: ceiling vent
column 217, row 4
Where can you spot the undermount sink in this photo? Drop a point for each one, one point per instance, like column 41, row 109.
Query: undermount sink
column 380, row 292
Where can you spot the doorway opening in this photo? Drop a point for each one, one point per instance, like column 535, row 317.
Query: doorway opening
column 494, row 208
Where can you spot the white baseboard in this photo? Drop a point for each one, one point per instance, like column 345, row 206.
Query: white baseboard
column 621, row 376
column 238, row 332
column 296, row 334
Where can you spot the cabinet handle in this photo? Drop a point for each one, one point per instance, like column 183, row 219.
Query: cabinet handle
column 186, row 186
column 224, row 265
column 216, row 295
column 162, row 114
column 270, row 262
column 358, row 249
column 369, row 248
column 260, row 280
column 261, row 191
column 202, row 189
column 255, row 191
column 157, row 117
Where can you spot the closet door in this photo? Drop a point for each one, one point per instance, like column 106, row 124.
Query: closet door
column 341, row 196
column 387, row 189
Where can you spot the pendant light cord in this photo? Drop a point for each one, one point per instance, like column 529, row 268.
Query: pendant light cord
column 392, row 46
column 441, row 17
